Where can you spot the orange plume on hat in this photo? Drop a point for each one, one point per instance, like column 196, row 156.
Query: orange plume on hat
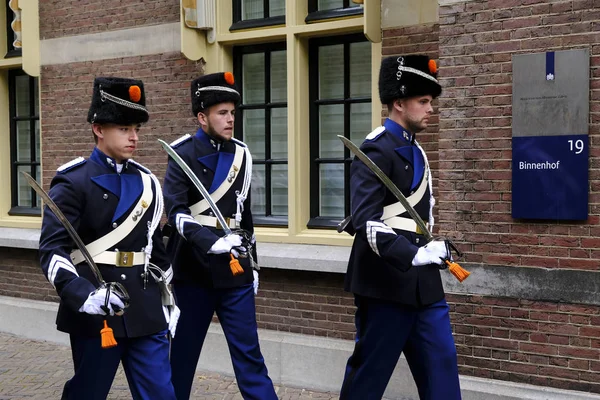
column 135, row 94
column 229, row 78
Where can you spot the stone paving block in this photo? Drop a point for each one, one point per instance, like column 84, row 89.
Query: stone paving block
column 35, row 370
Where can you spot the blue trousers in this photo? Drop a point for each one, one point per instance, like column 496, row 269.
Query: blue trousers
column 237, row 314
column 145, row 361
column 383, row 331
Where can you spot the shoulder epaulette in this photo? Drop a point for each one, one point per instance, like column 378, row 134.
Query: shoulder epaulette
column 375, row 133
column 238, row 142
column 139, row 166
column 71, row 164
column 182, row 139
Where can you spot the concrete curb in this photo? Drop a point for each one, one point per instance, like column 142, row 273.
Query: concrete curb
column 293, row 359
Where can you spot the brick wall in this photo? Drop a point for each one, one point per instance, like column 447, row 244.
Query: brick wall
column 21, row 276
column 477, row 40
column 67, row 18
column 66, row 92
column 543, row 343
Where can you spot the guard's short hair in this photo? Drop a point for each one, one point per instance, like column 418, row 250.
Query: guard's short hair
column 120, row 101
column 212, row 89
column 407, row 76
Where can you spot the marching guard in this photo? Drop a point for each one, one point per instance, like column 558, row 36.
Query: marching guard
column 207, row 276
column 393, row 272
column 115, row 206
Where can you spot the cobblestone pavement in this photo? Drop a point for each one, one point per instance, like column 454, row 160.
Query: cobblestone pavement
column 38, row 370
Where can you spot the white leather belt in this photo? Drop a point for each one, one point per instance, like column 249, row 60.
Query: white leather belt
column 202, row 205
column 127, row 226
column 206, row 220
column 404, row 224
column 121, row 258
column 397, row 208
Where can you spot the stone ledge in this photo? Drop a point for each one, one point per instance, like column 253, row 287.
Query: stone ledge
column 21, row 238
column 303, row 257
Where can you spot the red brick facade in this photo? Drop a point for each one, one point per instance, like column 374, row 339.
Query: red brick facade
column 60, row 18
column 469, row 147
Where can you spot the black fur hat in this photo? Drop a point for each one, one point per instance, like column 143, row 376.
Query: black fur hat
column 118, row 101
column 212, row 89
column 407, row 76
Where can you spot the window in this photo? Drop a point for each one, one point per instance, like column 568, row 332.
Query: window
column 24, row 141
column 257, row 13
column 327, row 9
column 13, row 30
column 261, row 74
column 340, row 104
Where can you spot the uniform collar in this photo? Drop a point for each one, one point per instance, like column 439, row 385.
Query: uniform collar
column 99, row 157
column 207, row 140
column 397, row 130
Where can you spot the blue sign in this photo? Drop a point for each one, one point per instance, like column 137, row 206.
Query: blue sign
column 550, row 141
column 550, row 177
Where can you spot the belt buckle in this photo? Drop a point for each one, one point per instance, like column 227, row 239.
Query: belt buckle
column 418, row 231
column 124, row 259
column 227, row 221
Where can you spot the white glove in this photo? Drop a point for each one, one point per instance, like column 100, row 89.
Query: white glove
column 96, row 299
column 225, row 243
column 172, row 316
column 433, row 252
column 255, row 283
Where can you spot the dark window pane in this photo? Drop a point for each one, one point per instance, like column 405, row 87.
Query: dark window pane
column 331, row 190
column 23, row 138
column 259, row 199
column 22, row 95
column 254, row 78
column 331, row 124
column 278, row 77
column 279, row 190
column 334, row 4
column 279, row 134
column 23, row 189
column 254, row 132
column 255, row 9
column 331, row 72
column 360, row 122
column 252, row 9
column 276, row 8
column 360, row 69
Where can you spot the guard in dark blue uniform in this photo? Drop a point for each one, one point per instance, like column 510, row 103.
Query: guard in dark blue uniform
column 204, row 282
column 393, row 273
column 115, row 205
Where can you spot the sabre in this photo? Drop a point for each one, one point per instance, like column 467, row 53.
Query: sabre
column 106, row 333
column 236, row 268
column 454, row 267
column 190, row 174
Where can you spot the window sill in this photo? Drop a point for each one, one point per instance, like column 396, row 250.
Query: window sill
column 303, row 257
column 21, row 238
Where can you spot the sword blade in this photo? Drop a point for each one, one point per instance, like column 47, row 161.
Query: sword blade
column 65, row 222
column 389, row 184
column 190, row 174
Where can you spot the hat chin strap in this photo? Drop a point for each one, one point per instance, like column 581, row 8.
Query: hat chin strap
column 107, row 96
column 216, row 88
column 402, row 68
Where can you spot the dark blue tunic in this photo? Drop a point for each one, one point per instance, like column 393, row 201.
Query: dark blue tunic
column 96, row 199
column 380, row 262
column 211, row 162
